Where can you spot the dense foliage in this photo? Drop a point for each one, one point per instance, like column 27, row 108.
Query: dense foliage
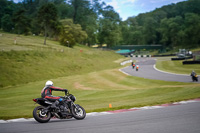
column 94, row 22
column 175, row 25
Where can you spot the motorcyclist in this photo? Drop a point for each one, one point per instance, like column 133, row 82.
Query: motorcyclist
column 194, row 76
column 193, row 73
column 137, row 67
column 47, row 93
column 133, row 65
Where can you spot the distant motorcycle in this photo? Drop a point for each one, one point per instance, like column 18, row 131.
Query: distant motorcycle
column 195, row 78
column 137, row 67
column 66, row 109
column 133, row 66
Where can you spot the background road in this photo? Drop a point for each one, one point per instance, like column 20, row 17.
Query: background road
column 146, row 70
column 184, row 118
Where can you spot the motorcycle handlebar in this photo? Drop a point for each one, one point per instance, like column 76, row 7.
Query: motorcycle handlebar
column 66, row 92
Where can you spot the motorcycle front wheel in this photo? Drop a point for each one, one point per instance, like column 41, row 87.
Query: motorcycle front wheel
column 78, row 112
column 40, row 115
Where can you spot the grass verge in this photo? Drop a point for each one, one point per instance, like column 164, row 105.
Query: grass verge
column 165, row 64
column 34, row 61
column 96, row 90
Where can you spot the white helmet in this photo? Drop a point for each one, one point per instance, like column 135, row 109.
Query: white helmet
column 49, row 83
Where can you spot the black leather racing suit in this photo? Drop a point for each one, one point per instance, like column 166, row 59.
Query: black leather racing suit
column 47, row 92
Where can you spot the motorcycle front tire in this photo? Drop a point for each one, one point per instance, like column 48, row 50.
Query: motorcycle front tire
column 78, row 113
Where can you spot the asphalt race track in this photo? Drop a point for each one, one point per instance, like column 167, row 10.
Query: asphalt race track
column 147, row 70
column 183, row 118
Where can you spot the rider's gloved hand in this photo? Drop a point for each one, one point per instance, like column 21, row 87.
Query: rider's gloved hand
column 66, row 91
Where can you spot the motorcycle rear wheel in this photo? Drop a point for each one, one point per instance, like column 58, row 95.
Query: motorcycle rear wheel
column 40, row 116
column 78, row 112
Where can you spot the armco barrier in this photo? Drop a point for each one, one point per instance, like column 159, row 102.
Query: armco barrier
column 182, row 58
column 164, row 55
column 178, row 58
column 141, row 56
column 191, row 62
column 128, row 61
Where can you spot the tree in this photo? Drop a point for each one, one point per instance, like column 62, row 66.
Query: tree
column 64, row 10
column 6, row 23
column 86, row 13
column 71, row 33
column 47, row 16
column 81, row 9
column 192, row 30
column 6, row 13
column 150, row 30
column 22, row 23
column 109, row 30
column 171, row 30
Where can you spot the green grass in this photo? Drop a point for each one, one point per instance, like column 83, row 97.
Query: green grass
column 92, row 76
column 19, row 67
column 166, row 64
column 96, row 90
column 48, row 62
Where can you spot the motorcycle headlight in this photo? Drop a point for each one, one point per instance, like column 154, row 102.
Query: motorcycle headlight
column 73, row 98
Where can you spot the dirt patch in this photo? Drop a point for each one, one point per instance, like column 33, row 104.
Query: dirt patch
column 181, row 85
column 79, row 86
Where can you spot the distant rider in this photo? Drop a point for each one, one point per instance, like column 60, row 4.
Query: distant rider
column 194, row 76
column 137, row 67
column 133, row 65
column 47, row 93
column 193, row 73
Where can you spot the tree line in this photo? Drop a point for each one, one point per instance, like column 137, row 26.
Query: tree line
column 173, row 26
column 93, row 22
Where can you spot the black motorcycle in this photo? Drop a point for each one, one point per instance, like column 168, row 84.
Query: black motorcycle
column 195, row 78
column 65, row 109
